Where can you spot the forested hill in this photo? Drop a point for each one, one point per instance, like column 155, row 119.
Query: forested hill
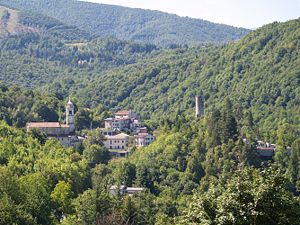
column 198, row 171
column 17, row 22
column 132, row 24
column 260, row 73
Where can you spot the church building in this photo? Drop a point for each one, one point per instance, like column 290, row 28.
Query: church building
column 64, row 133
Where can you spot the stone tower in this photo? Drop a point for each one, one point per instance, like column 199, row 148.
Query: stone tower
column 70, row 115
column 199, row 106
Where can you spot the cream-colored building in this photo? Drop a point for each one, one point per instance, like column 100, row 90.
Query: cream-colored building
column 64, row 133
column 118, row 141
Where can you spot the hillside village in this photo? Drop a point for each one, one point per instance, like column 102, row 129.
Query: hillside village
column 117, row 141
column 123, row 132
column 194, row 123
column 118, row 131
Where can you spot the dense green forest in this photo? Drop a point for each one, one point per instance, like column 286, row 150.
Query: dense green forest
column 199, row 170
column 14, row 22
column 131, row 24
column 21, row 106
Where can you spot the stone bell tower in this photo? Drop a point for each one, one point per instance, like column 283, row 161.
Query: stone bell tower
column 70, row 115
column 199, row 106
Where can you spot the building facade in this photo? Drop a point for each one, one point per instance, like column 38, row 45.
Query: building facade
column 118, row 141
column 143, row 139
column 123, row 121
column 64, row 133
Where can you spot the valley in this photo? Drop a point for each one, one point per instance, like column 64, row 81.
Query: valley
column 102, row 122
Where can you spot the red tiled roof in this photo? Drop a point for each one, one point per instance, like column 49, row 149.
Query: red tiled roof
column 46, row 124
column 122, row 113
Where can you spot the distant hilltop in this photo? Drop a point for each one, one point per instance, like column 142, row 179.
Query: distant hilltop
column 162, row 29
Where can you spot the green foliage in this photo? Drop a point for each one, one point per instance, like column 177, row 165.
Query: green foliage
column 250, row 90
column 249, row 197
column 112, row 74
column 294, row 167
column 21, row 106
column 132, row 24
column 96, row 154
column 51, row 26
column 36, row 196
column 30, row 171
column 61, row 197
column 86, row 207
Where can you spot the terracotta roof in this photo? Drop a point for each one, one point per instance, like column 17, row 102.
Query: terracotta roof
column 46, row 124
column 122, row 112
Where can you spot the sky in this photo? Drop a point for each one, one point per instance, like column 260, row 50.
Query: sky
column 240, row 13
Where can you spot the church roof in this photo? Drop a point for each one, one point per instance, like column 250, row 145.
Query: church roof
column 46, row 125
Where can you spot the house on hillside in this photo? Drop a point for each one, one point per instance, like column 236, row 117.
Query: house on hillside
column 123, row 190
column 143, row 139
column 265, row 150
column 116, row 141
column 123, row 121
column 125, row 114
column 117, row 123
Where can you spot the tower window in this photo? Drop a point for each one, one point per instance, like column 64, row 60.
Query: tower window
column 70, row 112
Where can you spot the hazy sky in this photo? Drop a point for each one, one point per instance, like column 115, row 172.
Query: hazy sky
column 243, row 13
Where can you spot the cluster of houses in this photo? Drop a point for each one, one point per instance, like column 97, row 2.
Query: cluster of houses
column 121, row 132
column 116, row 137
column 116, row 131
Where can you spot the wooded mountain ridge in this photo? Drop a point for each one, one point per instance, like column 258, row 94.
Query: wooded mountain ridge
column 146, row 26
column 203, row 170
column 264, row 66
